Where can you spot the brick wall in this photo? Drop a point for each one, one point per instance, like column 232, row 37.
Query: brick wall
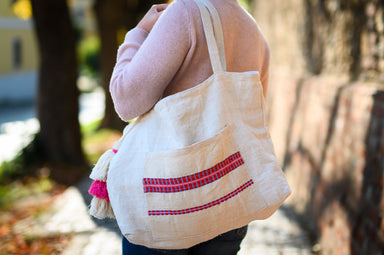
column 326, row 102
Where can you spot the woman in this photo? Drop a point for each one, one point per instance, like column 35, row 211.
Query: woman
column 167, row 53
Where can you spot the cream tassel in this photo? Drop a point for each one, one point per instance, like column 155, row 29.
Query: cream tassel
column 100, row 170
column 101, row 208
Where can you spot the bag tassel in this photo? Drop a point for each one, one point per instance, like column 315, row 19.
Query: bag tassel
column 101, row 209
column 100, row 206
column 100, row 170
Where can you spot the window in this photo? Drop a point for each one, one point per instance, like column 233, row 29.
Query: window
column 16, row 53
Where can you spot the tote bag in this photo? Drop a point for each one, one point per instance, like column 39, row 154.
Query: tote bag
column 200, row 163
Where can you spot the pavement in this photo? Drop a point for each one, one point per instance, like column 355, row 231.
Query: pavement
column 278, row 235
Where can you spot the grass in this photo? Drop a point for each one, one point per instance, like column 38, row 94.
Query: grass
column 10, row 169
column 96, row 141
column 17, row 190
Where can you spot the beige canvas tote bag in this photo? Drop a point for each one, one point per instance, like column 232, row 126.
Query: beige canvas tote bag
column 200, row 163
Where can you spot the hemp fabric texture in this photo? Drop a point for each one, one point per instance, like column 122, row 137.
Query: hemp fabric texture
column 200, row 163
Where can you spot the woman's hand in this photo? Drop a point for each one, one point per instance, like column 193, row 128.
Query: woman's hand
column 151, row 17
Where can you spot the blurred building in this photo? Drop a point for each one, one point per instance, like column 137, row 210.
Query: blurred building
column 18, row 53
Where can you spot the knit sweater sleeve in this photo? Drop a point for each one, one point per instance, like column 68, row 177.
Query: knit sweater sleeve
column 146, row 63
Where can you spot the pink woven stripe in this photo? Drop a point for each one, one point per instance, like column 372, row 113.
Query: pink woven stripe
column 195, row 180
column 114, row 150
column 192, row 177
column 99, row 189
column 202, row 207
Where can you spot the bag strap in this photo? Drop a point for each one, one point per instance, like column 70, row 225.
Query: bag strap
column 215, row 49
column 214, row 34
column 218, row 30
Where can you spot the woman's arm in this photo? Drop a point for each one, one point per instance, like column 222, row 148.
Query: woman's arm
column 151, row 17
column 147, row 62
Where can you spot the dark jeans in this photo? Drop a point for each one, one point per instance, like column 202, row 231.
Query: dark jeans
column 224, row 244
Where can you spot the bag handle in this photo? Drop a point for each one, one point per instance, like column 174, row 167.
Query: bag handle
column 218, row 30
column 100, row 206
column 215, row 48
column 214, row 34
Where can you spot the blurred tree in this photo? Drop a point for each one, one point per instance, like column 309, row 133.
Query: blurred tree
column 114, row 16
column 109, row 20
column 59, row 139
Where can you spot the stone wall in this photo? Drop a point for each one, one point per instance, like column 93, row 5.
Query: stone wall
column 326, row 100
column 334, row 37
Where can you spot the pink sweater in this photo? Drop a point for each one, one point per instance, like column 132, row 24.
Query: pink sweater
column 174, row 57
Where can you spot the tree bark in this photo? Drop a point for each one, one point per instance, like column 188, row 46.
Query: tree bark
column 108, row 13
column 113, row 15
column 59, row 138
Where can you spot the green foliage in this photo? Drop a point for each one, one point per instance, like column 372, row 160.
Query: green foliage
column 96, row 141
column 90, row 128
column 11, row 169
column 88, row 55
column 91, row 144
column 23, row 176
column 247, row 4
column 17, row 190
column 24, row 164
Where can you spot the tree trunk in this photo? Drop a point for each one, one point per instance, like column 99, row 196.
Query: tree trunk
column 108, row 13
column 59, row 138
column 113, row 15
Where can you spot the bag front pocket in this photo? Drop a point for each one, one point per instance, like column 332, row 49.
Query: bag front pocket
column 189, row 191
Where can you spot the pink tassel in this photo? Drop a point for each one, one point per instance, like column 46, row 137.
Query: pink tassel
column 99, row 189
column 100, row 206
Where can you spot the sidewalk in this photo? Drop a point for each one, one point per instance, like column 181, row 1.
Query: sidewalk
column 18, row 123
column 278, row 235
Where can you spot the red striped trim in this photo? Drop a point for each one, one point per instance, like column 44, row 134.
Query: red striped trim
column 171, row 185
column 201, row 207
